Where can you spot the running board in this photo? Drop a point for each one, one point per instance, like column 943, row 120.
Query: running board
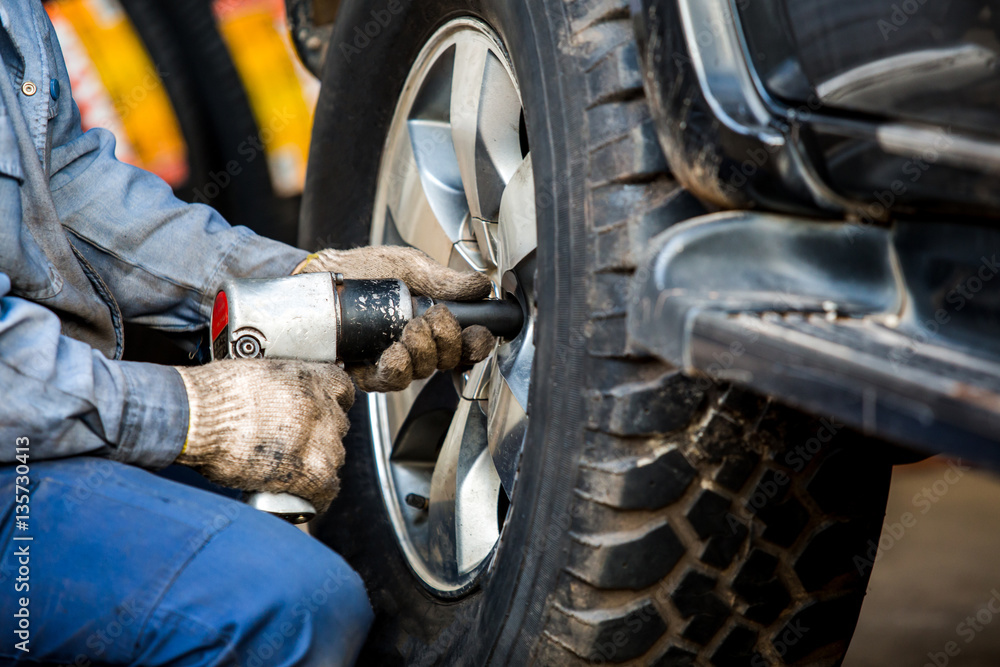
column 892, row 330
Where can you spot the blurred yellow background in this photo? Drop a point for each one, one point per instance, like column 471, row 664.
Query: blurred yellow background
column 118, row 87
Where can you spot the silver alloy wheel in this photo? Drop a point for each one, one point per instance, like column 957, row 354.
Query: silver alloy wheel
column 456, row 182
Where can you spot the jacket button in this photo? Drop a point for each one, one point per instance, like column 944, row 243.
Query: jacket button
column 54, row 88
column 28, row 88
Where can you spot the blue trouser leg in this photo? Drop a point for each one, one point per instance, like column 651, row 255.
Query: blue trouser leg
column 128, row 568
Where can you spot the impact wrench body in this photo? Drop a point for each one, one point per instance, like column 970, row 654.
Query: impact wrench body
column 322, row 317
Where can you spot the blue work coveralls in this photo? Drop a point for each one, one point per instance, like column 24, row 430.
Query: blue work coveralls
column 106, row 563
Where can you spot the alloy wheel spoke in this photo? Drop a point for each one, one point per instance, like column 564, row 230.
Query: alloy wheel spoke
column 465, row 254
column 513, row 364
column 441, row 512
column 517, row 233
column 409, row 208
column 476, row 505
column 466, row 97
column 434, row 154
column 476, row 386
column 464, row 491
column 507, row 415
column 486, row 136
column 507, row 424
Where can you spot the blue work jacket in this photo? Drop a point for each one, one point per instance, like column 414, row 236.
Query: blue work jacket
column 87, row 243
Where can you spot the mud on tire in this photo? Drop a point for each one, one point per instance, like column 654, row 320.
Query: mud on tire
column 657, row 519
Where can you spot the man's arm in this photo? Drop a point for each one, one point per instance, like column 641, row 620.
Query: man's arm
column 162, row 258
column 71, row 400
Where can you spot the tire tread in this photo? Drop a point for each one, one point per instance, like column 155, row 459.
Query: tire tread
column 666, row 519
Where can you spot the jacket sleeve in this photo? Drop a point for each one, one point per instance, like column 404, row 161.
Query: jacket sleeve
column 163, row 259
column 69, row 399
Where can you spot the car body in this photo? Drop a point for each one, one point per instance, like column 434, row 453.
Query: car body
column 860, row 147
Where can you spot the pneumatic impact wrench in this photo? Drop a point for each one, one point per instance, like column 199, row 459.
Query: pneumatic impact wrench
column 322, row 317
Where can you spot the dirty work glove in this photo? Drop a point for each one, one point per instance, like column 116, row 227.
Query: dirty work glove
column 432, row 342
column 421, row 274
column 261, row 425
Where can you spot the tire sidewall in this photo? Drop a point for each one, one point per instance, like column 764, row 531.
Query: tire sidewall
column 500, row 622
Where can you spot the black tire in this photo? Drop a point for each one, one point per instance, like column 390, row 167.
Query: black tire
column 655, row 520
column 214, row 114
column 167, row 54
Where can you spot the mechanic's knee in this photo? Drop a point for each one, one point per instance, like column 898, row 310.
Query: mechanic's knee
column 320, row 613
column 332, row 594
column 337, row 585
column 272, row 595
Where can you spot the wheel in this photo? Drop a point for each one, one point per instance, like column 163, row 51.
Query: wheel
column 568, row 501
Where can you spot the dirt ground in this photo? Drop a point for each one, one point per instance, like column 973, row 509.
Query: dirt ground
column 937, row 573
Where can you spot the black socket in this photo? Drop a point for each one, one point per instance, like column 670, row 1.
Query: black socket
column 504, row 318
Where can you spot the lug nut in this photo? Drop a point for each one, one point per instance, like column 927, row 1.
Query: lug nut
column 417, row 501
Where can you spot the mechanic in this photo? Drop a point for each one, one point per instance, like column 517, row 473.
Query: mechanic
column 125, row 566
